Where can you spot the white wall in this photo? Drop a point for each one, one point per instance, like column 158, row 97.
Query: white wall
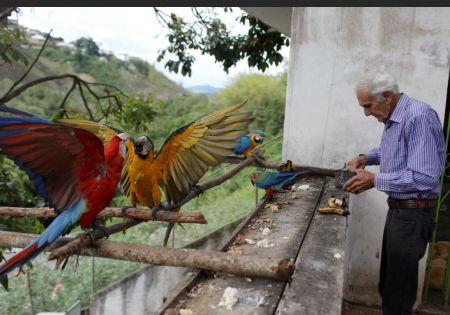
column 324, row 125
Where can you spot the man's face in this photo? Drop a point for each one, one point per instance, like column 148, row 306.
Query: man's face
column 380, row 110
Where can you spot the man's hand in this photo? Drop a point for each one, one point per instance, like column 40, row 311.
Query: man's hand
column 362, row 181
column 359, row 162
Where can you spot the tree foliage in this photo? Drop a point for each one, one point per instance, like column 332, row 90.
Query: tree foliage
column 87, row 46
column 260, row 46
column 266, row 96
column 8, row 51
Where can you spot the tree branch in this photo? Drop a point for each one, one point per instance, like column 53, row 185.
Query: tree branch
column 61, row 106
column 6, row 12
column 31, row 66
column 258, row 162
column 132, row 213
column 244, row 265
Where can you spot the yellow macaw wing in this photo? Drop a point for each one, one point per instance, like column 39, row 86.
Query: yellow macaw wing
column 124, row 178
column 104, row 132
column 189, row 151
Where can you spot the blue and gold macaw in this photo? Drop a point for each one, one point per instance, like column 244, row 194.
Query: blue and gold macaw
column 248, row 142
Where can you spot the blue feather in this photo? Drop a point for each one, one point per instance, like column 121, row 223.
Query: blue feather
column 61, row 224
column 244, row 144
column 274, row 179
column 6, row 109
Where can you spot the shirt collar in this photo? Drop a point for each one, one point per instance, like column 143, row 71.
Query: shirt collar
column 399, row 109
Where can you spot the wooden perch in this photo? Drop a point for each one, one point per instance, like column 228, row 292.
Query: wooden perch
column 143, row 214
column 83, row 241
column 259, row 162
column 244, row 265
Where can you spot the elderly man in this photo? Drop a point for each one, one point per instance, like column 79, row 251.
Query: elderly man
column 411, row 158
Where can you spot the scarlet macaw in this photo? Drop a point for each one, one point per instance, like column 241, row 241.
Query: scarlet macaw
column 71, row 168
column 248, row 142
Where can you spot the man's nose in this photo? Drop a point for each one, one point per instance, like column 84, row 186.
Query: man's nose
column 367, row 112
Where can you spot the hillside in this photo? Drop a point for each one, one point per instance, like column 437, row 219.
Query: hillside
column 207, row 89
column 133, row 75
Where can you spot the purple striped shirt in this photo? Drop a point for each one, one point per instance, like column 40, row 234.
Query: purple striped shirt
column 412, row 152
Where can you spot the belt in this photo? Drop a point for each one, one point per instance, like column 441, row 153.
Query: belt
column 411, row 203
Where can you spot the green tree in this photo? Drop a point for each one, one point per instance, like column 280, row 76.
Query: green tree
column 266, row 97
column 261, row 44
column 139, row 65
column 86, row 45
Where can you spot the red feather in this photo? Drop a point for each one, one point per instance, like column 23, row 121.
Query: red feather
column 20, row 258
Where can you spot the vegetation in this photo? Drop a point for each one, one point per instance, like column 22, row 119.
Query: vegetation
column 260, row 46
column 157, row 107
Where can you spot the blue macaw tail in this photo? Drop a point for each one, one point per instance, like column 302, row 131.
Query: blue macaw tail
column 59, row 225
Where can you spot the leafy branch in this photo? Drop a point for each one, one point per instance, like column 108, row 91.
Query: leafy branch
column 260, row 46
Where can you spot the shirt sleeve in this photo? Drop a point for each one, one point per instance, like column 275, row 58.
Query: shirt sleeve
column 373, row 156
column 424, row 161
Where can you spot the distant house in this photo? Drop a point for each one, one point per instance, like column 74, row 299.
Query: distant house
column 12, row 22
column 66, row 45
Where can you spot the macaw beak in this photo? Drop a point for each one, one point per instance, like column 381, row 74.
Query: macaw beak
column 143, row 145
column 259, row 139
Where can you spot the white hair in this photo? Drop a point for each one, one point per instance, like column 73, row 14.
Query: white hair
column 378, row 82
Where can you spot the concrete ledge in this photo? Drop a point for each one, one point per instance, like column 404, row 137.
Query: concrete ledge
column 318, row 282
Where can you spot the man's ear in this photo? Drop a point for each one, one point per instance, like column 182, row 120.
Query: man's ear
column 387, row 95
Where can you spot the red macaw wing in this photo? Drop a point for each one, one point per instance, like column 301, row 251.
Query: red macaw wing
column 57, row 158
column 189, row 151
column 105, row 133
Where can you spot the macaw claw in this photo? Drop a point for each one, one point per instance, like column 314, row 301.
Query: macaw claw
column 154, row 212
column 124, row 210
column 198, row 189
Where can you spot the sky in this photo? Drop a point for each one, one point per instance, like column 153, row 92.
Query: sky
column 136, row 32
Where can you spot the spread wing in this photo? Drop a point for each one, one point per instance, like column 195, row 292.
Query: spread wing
column 55, row 157
column 188, row 152
column 103, row 131
column 124, row 179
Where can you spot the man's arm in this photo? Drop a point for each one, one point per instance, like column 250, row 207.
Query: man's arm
column 425, row 161
column 360, row 162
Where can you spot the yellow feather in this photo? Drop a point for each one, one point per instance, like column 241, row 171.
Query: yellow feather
column 219, row 144
column 205, row 156
column 214, row 150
